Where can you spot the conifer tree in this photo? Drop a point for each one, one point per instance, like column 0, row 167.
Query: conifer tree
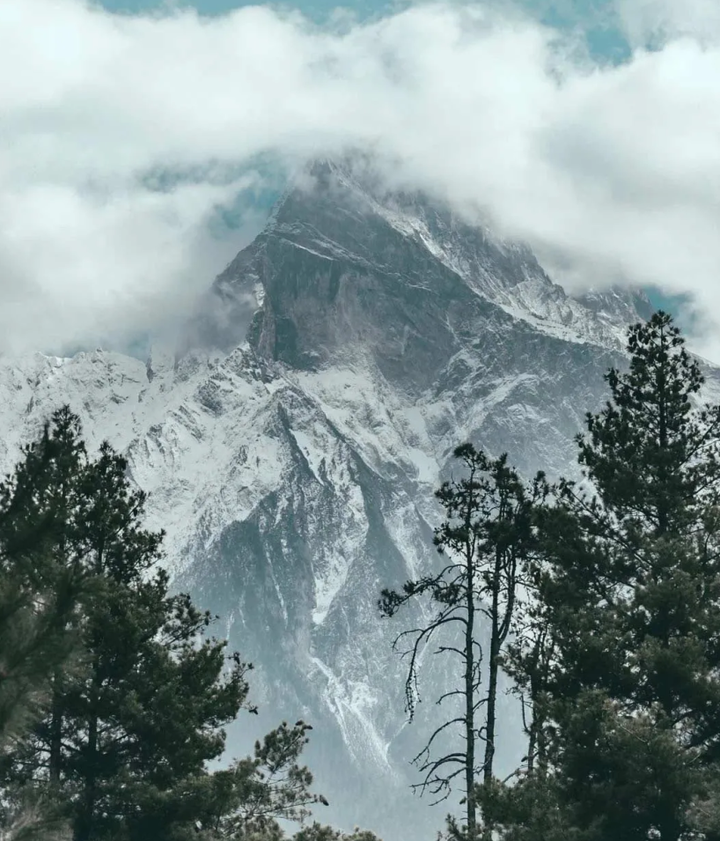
column 487, row 540
column 316, row 832
column 39, row 599
column 123, row 744
column 631, row 594
column 128, row 733
column 268, row 787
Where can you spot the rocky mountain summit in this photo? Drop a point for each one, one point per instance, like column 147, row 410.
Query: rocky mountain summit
column 291, row 445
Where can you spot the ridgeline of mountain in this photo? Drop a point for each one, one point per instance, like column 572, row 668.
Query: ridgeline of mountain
column 291, row 449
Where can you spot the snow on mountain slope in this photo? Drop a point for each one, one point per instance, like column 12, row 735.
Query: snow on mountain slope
column 292, row 447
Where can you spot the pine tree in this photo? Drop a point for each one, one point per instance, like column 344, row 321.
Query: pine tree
column 487, row 540
column 268, row 787
column 316, row 832
column 39, row 599
column 38, row 594
column 128, row 732
column 123, row 744
column 631, row 594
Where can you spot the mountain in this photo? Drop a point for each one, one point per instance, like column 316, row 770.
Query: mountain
column 291, row 444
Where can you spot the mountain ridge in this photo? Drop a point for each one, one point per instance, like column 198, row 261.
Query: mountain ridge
column 291, row 446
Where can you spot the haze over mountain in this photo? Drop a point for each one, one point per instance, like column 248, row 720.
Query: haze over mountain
column 291, row 444
column 130, row 141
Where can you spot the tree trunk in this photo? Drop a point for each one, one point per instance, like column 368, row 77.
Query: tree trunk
column 56, row 722
column 470, row 703
column 663, row 519
column 85, row 824
column 85, row 821
column 532, row 742
column 495, row 642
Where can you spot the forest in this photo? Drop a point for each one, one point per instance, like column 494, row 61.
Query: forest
column 596, row 599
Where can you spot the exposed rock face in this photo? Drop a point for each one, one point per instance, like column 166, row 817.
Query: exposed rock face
column 292, row 449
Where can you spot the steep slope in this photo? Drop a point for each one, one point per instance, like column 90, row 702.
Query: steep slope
column 291, row 449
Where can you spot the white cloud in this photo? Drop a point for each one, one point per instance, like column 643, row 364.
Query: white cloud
column 614, row 171
column 660, row 21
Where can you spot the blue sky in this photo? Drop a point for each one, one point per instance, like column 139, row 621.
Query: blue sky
column 218, row 7
column 593, row 17
column 569, row 10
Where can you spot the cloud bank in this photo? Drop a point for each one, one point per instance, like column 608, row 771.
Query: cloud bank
column 121, row 138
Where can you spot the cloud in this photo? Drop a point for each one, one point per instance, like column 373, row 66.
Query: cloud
column 661, row 21
column 611, row 172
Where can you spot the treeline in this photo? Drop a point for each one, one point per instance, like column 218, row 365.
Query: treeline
column 600, row 602
column 113, row 695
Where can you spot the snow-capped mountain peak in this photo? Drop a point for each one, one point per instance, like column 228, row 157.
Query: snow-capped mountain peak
column 291, row 444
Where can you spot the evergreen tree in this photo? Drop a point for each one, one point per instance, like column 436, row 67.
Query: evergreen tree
column 316, row 832
column 631, row 596
column 38, row 595
column 487, row 540
column 128, row 732
column 268, row 787
column 123, row 744
column 39, row 599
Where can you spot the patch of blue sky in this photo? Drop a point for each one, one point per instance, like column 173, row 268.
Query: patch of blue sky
column 593, row 19
column 315, row 9
column 679, row 306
